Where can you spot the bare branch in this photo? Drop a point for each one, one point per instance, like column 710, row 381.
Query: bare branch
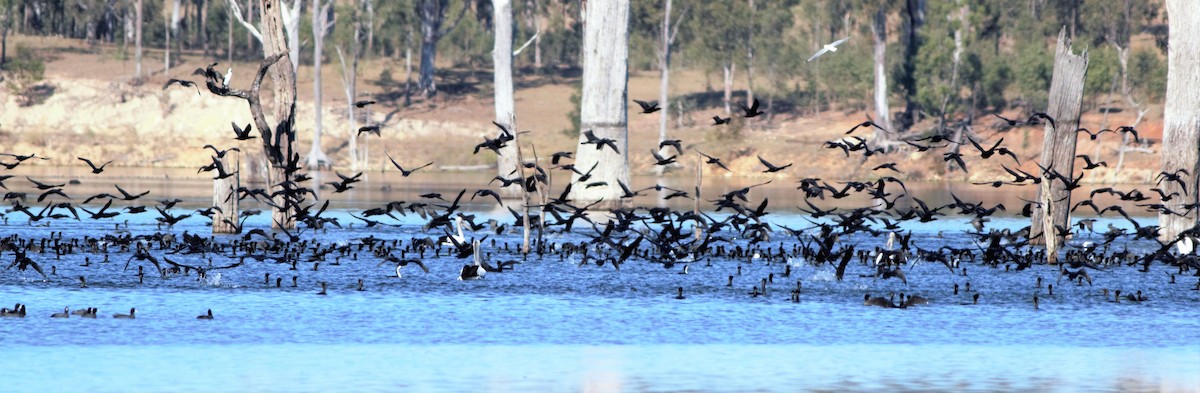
column 675, row 29
column 535, row 36
column 457, row 19
column 237, row 13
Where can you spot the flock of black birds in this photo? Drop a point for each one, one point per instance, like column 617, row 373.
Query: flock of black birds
column 732, row 228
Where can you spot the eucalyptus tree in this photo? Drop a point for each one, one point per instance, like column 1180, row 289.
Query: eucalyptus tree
column 432, row 14
column 1181, row 118
column 604, row 142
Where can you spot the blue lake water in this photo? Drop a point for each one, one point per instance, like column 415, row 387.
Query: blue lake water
column 554, row 325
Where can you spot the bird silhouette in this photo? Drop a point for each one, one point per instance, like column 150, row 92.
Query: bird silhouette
column 830, row 47
column 752, row 110
column 95, row 169
column 592, row 139
column 772, row 168
column 648, row 107
column 181, row 82
column 712, row 160
column 371, row 129
column 403, row 172
column 240, row 133
column 364, row 103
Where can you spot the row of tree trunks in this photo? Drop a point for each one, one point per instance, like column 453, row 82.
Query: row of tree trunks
column 1058, row 144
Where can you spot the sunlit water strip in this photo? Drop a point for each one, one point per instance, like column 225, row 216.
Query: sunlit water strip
column 732, row 368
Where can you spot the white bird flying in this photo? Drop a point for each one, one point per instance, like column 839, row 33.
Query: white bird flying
column 830, row 47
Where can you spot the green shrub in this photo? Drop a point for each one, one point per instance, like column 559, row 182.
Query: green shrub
column 22, row 74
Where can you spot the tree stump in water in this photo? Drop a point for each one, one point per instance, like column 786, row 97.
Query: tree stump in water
column 1058, row 142
column 225, row 220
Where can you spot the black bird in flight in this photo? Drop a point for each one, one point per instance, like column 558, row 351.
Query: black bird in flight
column 556, row 157
column 1091, row 135
column 712, row 160
column 718, row 120
column 240, row 133
column 592, row 139
column 673, row 143
column 371, row 129
column 867, row 123
column 181, row 82
column 648, row 107
column 487, row 193
column 752, row 110
column 43, row 186
column 402, row 171
column 364, row 103
column 95, row 169
column 1091, row 165
column 221, row 153
column 342, row 186
column 660, row 160
column 772, row 168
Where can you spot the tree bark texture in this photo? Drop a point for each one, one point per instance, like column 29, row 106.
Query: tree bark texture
column 320, row 26
column 604, row 104
column 502, row 57
column 1058, row 142
column 882, row 113
column 1181, row 115
column 664, row 81
column 283, row 84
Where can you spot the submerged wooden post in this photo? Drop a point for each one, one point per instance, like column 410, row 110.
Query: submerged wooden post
column 225, row 197
column 1058, row 142
column 1181, row 117
column 1052, row 242
column 696, row 198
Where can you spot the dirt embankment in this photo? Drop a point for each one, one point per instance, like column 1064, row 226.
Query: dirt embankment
column 94, row 114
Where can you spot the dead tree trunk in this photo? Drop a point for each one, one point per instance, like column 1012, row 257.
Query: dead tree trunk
column 502, row 57
column 603, row 106
column 729, row 69
column 225, row 219
column 167, row 46
column 321, row 24
column 204, row 26
column 277, row 143
column 750, row 56
column 229, row 36
column 350, row 87
column 667, row 37
column 1058, row 142
column 4, row 36
column 279, row 146
column 882, row 113
column 1181, row 115
column 433, row 15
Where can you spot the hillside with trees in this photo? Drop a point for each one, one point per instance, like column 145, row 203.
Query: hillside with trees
column 917, row 67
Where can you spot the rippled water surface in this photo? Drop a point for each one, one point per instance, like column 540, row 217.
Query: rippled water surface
column 554, row 325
